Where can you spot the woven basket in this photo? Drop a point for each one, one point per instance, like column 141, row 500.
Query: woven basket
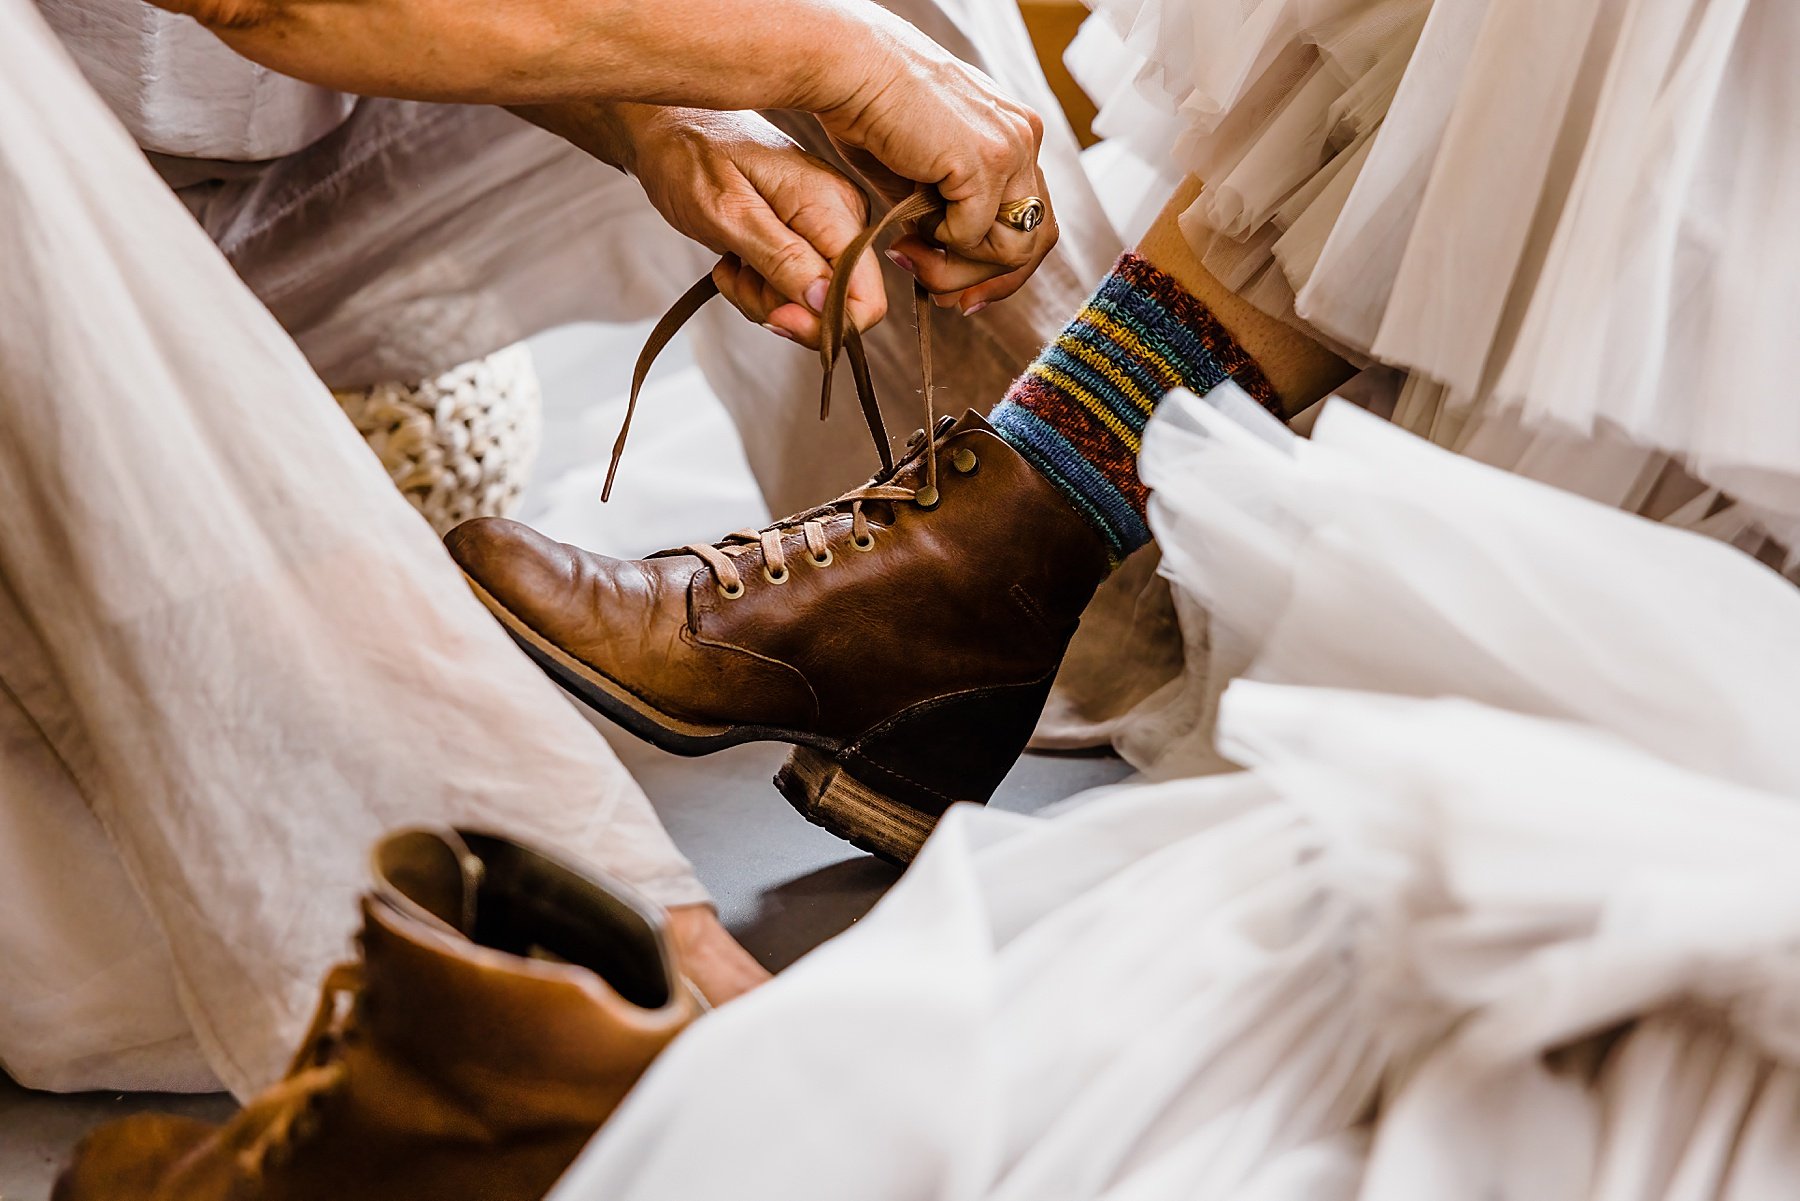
column 460, row 445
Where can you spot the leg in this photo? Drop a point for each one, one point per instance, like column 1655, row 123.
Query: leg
column 1158, row 321
column 1301, row 371
column 260, row 657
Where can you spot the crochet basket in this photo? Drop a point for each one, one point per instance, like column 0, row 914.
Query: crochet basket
column 460, row 445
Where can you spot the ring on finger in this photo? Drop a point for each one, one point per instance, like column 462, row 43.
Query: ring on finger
column 1024, row 214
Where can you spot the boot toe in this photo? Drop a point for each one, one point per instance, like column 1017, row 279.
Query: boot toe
column 513, row 563
column 129, row 1159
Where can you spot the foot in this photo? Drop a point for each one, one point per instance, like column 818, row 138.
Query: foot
column 903, row 637
column 713, row 961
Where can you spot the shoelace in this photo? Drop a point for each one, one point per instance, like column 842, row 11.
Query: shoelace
column 317, row 1072
column 836, row 336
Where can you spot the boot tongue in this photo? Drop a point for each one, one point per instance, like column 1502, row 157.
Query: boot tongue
column 430, row 874
column 912, row 464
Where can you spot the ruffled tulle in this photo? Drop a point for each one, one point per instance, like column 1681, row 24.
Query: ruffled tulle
column 1502, row 907
column 1569, row 215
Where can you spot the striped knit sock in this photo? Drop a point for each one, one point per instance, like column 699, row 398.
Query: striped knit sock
column 1078, row 412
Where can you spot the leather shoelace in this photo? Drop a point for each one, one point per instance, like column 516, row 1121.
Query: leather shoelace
column 836, row 335
column 317, row 1072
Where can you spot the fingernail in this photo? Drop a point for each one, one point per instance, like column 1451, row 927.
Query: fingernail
column 901, row 261
column 944, row 302
column 776, row 329
column 975, row 308
column 815, row 295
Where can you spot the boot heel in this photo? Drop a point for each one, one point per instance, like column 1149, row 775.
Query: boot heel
column 827, row 795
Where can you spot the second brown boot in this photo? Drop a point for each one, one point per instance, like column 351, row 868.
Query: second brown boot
column 903, row 637
column 503, row 1007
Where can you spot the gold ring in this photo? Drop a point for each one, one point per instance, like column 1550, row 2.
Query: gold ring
column 1024, row 215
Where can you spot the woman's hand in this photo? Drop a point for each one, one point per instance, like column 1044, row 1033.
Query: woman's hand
column 777, row 217
column 920, row 115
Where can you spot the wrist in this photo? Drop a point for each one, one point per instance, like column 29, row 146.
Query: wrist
column 599, row 128
column 859, row 50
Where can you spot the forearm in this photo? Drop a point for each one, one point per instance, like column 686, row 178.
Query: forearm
column 815, row 55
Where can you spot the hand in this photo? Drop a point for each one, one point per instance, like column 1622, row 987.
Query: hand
column 924, row 116
column 778, row 216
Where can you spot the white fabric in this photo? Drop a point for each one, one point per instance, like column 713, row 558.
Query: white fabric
column 180, row 90
column 1503, row 907
column 1570, row 214
column 230, row 654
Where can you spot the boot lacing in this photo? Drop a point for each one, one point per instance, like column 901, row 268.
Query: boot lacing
column 836, row 333
column 316, row 1073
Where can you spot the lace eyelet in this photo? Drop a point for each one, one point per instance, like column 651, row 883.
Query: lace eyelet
column 821, row 560
column 731, row 593
column 965, row 461
column 927, row 497
column 863, row 544
column 773, row 578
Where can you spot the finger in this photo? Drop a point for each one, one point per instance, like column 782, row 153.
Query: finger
column 753, row 296
column 943, row 272
column 779, row 255
column 830, row 219
column 1004, row 169
column 1002, row 286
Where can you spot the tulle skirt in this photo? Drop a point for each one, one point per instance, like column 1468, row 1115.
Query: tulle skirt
column 1566, row 218
column 1502, row 907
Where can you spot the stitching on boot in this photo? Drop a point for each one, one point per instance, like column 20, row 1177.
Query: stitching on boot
column 1023, row 599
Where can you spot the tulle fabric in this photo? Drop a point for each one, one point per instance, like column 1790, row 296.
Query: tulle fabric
column 1567, row 215
column 1501, row 907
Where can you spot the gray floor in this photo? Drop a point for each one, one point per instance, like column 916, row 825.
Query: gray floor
column 782, row 886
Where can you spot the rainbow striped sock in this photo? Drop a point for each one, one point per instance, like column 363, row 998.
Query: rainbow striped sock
column 1078, row 412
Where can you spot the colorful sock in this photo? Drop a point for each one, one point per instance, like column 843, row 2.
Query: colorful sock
column 1078, row 412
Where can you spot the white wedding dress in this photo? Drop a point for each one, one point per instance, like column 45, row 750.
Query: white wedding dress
column 1503, row 907
column 1567, row 219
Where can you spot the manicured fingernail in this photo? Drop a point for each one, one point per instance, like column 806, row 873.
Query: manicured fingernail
column 776, row 329
column 975, row 308
column 901, row 261
column 944, row 302
column 815, row 295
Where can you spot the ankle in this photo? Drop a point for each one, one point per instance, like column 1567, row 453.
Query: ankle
column 714, row 961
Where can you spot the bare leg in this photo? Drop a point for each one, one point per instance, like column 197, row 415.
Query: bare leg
column 719, row 967
column 1302, row 371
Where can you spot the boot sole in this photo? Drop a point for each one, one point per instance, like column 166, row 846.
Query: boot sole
column 818, row 788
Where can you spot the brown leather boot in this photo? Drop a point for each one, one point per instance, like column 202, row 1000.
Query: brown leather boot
column 904, row 637
column 503, row 1006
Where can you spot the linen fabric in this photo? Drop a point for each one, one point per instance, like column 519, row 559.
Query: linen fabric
column 231, row 655
column 180, row 90
column 1503, row 905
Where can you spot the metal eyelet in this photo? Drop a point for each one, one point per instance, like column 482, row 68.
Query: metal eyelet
column 926, row 497
column 730, row 593
column 965, row 460
column 821, row 560
column 863, row 544
column 773, row 578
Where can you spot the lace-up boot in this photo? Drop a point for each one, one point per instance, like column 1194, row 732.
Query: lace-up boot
column 503, row 1006
column 903, row 637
